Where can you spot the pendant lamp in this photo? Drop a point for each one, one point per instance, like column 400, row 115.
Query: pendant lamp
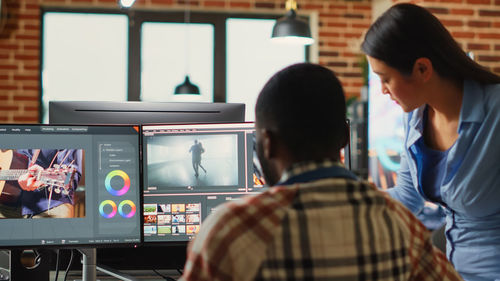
column 126, row 3
column 290, row 28
column 186, row 87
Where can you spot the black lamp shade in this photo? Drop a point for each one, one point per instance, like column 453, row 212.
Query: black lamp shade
column 291, row 26
column 187, row 88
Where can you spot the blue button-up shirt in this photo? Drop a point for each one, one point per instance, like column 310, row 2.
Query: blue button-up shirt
column 471, row 185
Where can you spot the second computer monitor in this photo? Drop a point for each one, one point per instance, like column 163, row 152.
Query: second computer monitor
column 189, row 170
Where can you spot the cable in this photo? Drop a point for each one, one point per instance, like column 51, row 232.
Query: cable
column 163, row 276
column 69, row 265
column 158, row 273
column 57, row 265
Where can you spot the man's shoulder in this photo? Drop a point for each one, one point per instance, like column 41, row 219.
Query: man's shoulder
column 269, row 207
column 241, row 223
column 340, row 186
column 268, row 201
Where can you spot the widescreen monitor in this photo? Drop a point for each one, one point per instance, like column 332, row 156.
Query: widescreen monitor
column 188, row 170
column 109, row 112
column 69, row 186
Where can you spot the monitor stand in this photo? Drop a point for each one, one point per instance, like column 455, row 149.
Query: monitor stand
column 41, row 271
column 90, row 267
column 88, row 264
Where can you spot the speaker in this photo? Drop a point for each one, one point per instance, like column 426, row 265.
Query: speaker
column 357, row 112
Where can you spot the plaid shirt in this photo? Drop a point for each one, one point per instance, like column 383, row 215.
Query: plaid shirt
column 325, row 229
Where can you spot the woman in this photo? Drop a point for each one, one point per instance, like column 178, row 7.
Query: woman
column 451, row 152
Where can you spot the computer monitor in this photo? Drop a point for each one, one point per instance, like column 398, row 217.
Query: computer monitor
column 69, row 186
column 80, row 112
column 108, row 112
column 188, row 170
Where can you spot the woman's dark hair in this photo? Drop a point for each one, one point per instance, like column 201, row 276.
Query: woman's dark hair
column 407, row 32
column 304, row 105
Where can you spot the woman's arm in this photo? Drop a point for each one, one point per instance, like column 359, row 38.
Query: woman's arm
column 404, row 191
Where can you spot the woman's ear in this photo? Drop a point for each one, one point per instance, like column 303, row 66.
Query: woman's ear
column 423, row 69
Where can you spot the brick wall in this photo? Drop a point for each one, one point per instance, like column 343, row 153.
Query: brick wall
column 19, row 63
column 474, row 23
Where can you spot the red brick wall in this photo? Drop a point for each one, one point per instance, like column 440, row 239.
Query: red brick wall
column 341, row 22
column 19, row 63
column 475, row 23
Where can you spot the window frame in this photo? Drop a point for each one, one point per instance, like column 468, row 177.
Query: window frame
column 135, row 19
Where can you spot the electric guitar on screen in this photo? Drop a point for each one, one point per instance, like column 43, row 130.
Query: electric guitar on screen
column 13, row 165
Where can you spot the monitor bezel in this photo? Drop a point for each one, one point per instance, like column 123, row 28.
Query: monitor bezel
column 133, row 112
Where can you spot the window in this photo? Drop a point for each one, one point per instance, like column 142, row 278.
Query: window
column 169, row 52
column 84, row 57
column 109, row 55
column 252, row 59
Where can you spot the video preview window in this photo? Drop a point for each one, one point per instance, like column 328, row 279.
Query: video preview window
column 69, row 185
column 42, row 183
column 202, row 160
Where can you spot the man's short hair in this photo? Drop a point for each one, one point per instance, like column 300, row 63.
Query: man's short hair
column 304, row 105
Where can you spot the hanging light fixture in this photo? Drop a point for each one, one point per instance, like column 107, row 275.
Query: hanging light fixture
column 126, row 3
column 291, row 29
column 187, row 88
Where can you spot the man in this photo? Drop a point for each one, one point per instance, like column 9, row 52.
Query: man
column 317, row 222
column 38, row 199
column 196, row 150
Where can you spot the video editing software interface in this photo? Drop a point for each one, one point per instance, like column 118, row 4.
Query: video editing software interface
column 189, row 170
column 69, row 185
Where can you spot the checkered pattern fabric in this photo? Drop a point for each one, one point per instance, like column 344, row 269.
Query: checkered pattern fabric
column 327, row 229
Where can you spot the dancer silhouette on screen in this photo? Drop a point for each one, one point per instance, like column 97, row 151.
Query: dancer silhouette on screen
column 202, row 151
column 196, row 150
